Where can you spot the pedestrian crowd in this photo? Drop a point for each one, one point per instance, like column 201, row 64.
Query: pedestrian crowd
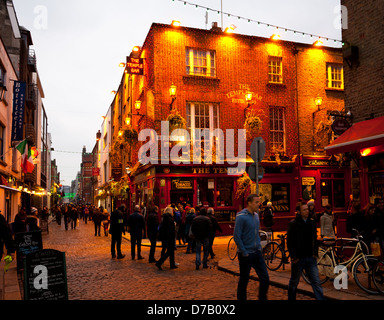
column 196, row 227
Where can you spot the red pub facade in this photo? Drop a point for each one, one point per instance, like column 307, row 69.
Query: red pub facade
column 213, row 73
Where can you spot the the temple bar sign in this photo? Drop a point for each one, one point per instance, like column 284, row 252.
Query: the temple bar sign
column 135, row 66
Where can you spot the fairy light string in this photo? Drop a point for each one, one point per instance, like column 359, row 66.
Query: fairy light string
column 229, row 15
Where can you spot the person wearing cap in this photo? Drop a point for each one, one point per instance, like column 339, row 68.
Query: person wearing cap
column 32, row 221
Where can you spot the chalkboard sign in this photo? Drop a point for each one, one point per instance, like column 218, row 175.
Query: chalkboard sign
column 45, row 276
column 27, row 242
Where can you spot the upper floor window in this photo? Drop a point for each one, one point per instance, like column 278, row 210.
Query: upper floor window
column 335, row 76
column 275, row 69
column 202, row 115
column 200, row 62
column 2, row 142
column 277, row 128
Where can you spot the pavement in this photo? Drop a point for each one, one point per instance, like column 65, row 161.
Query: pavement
column 10, row 289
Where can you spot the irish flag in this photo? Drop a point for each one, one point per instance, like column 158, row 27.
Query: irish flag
column 26, row 157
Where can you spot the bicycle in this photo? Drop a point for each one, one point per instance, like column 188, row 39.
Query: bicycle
column 275, row 254
column 378, row 276
column 360, row 264
column 232, row 247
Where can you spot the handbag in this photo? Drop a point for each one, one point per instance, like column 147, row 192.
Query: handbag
column 375, row 249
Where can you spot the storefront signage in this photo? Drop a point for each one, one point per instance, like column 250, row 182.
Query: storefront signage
column 95, row 172
column 45, row 276
column 238, row 96
column 135, row 66
column 181, row 184
column 19, row 89
column 319, row 162
column 339, row 126
column 199, row 170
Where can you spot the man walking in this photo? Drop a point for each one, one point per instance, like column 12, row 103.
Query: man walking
column 202, row 229
column 152, row 226
column 303, row 248
column 136, row 225
column 247, row 239
column 116, row 229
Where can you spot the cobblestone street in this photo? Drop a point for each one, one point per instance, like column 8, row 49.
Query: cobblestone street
column 93, row 275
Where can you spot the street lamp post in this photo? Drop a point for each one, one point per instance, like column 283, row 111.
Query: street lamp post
column 172, row 93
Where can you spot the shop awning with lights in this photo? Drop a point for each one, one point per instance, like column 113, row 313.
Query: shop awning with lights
column 362, row 135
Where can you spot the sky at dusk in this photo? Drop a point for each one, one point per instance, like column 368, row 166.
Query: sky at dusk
column 79, row 45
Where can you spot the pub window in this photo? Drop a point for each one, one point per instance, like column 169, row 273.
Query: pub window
column 2, row 79
column 277, row 128
column 332, row 190
column 200, row 62
column 224, row 192
column 202, row 116
column 205, row 192
column 275, row 69
column 335, row 76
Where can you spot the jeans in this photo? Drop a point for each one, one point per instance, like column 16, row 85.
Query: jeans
column 168, row 250
column 308, row 264
column 135, row 241
column 97, row 228
column 152, row 239
column 205, row 243
column 256, row 261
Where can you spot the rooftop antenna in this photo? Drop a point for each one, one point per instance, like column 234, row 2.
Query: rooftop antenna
column 206, row 19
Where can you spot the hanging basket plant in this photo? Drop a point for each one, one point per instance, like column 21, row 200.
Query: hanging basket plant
column 130, row 136
column 243, row 183
column 176, row 121
column 253, row 126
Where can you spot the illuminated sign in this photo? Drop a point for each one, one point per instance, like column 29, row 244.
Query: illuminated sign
column 135, row 66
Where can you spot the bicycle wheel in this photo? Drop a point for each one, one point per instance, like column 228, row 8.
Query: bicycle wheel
column 232, row 249
column 363, row 276
column 273, row 255
column 324, row 265
column 378, row 276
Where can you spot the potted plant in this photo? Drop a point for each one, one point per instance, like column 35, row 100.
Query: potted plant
column 253, row 125
column 176, row 121
column 130, row 136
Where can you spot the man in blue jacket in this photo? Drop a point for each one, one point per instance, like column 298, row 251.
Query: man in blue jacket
column 247, row 238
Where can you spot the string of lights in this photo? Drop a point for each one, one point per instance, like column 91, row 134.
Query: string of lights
column 230, row 15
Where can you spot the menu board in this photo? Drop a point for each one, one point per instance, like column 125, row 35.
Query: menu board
column 27, row 242
column 45, row 276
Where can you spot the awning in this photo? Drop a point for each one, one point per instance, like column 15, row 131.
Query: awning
column 361, row 135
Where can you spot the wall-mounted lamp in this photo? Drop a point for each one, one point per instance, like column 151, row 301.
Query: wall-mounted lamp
column 230, row 29
column 175, row 23
column 318, row 102
column 138, row 105
column 248, row 98
column 318, row 43
column 275, row 36
column 172, row 93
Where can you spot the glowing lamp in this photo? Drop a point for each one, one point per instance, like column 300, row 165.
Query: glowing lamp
column 248, row 96
column 175, row 23
column 138, row 105
column 121, row 64
column 318, row 101
column 136, row 49
column 230, row 29
column 172, row 91
column 120, row 133
column 128, row 121
column 113, row 92
column 318, row 43
column 365, row 152
column 275, row 36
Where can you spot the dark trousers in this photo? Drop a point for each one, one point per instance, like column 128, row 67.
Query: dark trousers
column 168, row 250
column 97, row 228
column 205, row 244
column 152, row 239
column 309, row 264
column 211, row 239
column 136, row 241
column 116, row 244
column 256, row 261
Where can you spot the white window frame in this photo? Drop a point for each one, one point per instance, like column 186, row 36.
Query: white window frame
column 335, row 75
column 279, row 130
column 205, row 57
column 276, row 64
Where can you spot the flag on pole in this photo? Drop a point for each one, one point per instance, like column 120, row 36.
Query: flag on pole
column 26, row 157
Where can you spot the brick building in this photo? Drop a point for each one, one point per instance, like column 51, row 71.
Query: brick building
column 364, row 93
column 213, row 73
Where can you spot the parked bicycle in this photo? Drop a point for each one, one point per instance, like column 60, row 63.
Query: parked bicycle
column 360, row 264
column 232, row 247
column 275, row 254
column 378, row 276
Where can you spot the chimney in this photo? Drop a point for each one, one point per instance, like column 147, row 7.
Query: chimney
column 215, row 27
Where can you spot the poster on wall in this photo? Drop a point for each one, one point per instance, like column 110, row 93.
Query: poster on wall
column 308, row 188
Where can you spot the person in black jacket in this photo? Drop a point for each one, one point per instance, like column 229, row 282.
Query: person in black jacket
column 202, row 228
column 215, row 227
column 303, row 249
column 116, row 229
column 6, row 238
column 152, row 225
column 167, row 237
column 136, row 225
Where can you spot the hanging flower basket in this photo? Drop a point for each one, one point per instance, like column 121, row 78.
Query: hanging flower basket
column 243, row 184
column 176, row 121
column 253, row 126
column 130, row 136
